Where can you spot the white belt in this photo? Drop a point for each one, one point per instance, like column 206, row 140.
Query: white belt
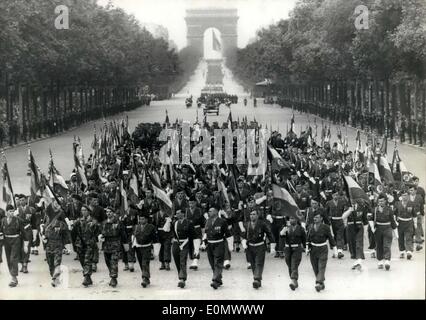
column 319, row 244
column 197, row 226
column 292, row 245
column 129, row 227
column 214, row 241
column 278, row 217
column 358, row 222
column 27, row 226
column 11, row 235
column 336, row 218
column 256, row 244
column 145, row 245
column 405, row 219
column 180, row 240
column 383, row 223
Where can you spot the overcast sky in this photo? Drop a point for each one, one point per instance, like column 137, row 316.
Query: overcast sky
column 253, row 14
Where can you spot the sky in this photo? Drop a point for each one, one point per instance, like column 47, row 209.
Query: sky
column 253, row 14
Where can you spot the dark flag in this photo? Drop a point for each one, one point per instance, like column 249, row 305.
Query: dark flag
column 284, row 202
column 8, row 197
column 216, row 43
column 34, row 175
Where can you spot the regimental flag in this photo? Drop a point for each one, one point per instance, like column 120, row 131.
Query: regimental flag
column 358, row 154
column 34, row 175
column 354, row 191
column 134, row 183
column 292, row 124
column 374, row 175
column 8, row 197
column 159, row 193
column 124, row 206
column 277, row 162
column 216, row 43
column 167, row 121
column 230, row 120
column 56, row 179
column 81, row 174
column 384, row 146
column 222, row 188
column 399, row 170
column 284, row 202
column 385, row 170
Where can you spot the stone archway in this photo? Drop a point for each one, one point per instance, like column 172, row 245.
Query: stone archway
column 224, row 20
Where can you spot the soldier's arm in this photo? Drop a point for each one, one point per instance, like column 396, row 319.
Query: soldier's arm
column 330, row 237
column 267, row 229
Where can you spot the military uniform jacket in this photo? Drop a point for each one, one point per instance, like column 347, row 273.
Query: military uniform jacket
column 73, row 212
column 385, row 217
column 56, row 239
column 295, row 236
column 417, row 202
column 358, row 217
column 144, row 234
column 335, row 210
column 86, row 231
column 302, row 200
column 196, row 217
column 15, row 227
column 217, row 229
column 129, row 221
column 114, row 234
column 309, row 214
column 25, row 214
column 320, row 236
column 183, row 230
column 256, row 234
column 408, row 211
column 245, row 213
column 151, row 207
column 180, row 205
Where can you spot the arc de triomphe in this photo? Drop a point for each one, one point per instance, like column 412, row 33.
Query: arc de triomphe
column 225, row 20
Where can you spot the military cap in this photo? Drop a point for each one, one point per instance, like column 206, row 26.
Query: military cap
column 87, row 208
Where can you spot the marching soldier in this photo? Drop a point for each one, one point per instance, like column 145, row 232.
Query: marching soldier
column 54, row 237
column 335, row 209
column 144, row 234
column 13, row 234
column 162, row 222
column 382, row 222
column 86, row 233
column 183, row 234
column 405, row 212
column 112, row 236
column 254, row 243
column 295, row 243
column 356, row 219
column 318, row 235
column 195, row 216
column 25, row 213
column 417, row 201
column 216, row 232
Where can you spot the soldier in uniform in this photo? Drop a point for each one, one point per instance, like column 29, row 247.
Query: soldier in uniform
column 335, row 209
column 129, row 220
column 144, row 234
column 194, row 214
column 54, row 237
column 13, row 234
column 216, row 233
column 99, row 216
column 318, row 235
column 112, row 236
column 25, row 213
column 183, row 234
column 86, row 231
column 162, row 222
column 356, row 216
column 417, row 201
column 405, row 212
column 254, row 243
column 295, row 243
column 382, row 222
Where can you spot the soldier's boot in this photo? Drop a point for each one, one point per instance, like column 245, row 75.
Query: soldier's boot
column 277, row 254
column 256, row 284
column 13, row 282
column 131, row 267
column 227, row 264
column 194, row 264
column 144, row 282
column 340, row 254
column 76, row 258
column 94, row 267
column 357, row 265
column 318, row 287
column 24, row 268
column 237, row 247
column 380, row 264
column 181, row 284
column 409, row 255
column 167, row 266
column 248, row 265
column 113, row 282
column 32, row 251
column 373, row 254
column 345, row 247
column 387, row 265
column 86, row 281
column 402, row 255
column 214, row 285
column 334, row 253
column 293, row 285
column 419, row 247
column 163, row 266
column 36, row 251
column 126, row 267
column 56, row 273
